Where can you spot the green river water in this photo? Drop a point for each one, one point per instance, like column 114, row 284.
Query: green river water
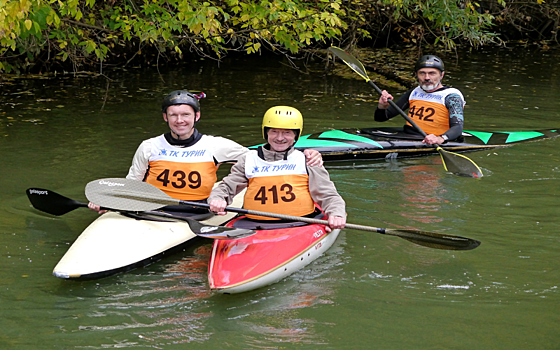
column 368, row 292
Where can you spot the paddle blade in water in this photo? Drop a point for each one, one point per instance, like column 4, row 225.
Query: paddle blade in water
column 424, row 238
column 51, row 202
column 435, row 240
column 459, row 164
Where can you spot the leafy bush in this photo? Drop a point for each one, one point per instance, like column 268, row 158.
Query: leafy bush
column 42, row 35
column 87, row 32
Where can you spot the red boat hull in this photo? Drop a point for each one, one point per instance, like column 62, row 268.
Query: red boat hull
column 252, row 262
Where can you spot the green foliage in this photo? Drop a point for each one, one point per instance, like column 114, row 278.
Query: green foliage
column 443, row 21
column 87, row 32
column 41, row 34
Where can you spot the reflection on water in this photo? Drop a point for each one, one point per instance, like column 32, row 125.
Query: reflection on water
column 423, row 192
column 277, row 313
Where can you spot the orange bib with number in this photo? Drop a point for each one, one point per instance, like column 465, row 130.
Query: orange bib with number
column 186, row 173
column 428, row 110
column 280, row 187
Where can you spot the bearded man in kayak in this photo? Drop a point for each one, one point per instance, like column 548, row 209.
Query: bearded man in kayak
column 183, row 162
column 277, row 178
column 435, row 108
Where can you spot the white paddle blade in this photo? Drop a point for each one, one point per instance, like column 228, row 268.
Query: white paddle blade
column 125, row 194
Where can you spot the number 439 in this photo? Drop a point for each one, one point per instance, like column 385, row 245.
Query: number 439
column 178, row 179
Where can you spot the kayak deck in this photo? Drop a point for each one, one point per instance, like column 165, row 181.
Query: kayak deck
column 387, row 142
column 268, row 256
column 116, row 242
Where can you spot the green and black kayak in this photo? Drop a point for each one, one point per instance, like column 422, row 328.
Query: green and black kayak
column 381, row 143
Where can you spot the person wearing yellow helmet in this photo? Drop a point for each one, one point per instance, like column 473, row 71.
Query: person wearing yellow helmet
column 277, row 178
column 183, row 163
column 435, row 108
column 282, row 117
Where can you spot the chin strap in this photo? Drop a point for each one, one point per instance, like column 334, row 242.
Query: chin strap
column 286, row 154
column 260, row 152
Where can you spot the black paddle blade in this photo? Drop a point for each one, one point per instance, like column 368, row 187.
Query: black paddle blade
column 424, row 238
column 52, row 202
column 217, row 232
column 435, row 240
column 350, row 60
column 206, row 231
column 459, row 164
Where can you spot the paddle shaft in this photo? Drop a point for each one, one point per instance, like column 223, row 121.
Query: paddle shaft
column 285, row 217
column 428, row 239
column 359, row 68
column 132, row 195
column 394, row 105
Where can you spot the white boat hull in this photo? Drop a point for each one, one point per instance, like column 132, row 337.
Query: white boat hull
column 116, row 243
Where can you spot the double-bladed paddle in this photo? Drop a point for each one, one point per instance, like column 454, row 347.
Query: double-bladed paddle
column 452, row 162
column 132, row 195
column 56, row 204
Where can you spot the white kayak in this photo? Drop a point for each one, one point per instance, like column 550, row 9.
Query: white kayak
column 116, row 243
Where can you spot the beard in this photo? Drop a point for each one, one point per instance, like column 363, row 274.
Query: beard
column 429, row 86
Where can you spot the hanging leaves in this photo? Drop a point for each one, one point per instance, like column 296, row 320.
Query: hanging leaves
column 86, row 32
column 93, row 32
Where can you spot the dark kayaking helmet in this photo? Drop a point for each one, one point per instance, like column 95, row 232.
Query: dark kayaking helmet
column 282, row 117
column 429, row 61
column 182, row 97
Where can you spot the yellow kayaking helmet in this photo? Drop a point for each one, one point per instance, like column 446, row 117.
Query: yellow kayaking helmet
column 282, row 117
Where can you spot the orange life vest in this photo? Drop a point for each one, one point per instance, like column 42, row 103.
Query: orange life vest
column 280, row 187
column 187, row 173
column 428, row 110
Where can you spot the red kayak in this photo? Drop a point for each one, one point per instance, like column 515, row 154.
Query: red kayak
column 268, row 256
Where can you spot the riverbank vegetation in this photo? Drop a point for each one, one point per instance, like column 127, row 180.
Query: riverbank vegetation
column 39, row 36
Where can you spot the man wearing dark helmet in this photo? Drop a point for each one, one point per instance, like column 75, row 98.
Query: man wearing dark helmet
column 183, row 162
column 435, row 108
